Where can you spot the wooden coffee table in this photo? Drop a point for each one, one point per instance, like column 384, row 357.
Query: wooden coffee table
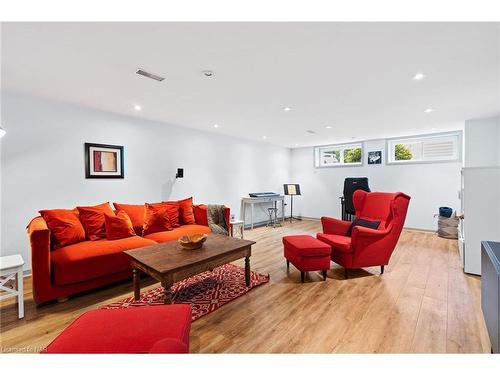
column 168, row 262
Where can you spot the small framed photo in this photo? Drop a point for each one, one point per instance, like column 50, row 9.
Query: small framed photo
column 103, row 161
column 374, row 157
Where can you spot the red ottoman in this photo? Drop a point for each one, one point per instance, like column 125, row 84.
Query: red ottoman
column 151, row 329
column 307, row 254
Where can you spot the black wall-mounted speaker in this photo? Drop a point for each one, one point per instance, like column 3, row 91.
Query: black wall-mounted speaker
column 180, row 173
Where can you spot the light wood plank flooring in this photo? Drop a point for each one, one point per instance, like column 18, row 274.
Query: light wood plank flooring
column 422, row 303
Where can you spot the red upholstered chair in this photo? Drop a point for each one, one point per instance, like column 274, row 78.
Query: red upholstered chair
column 367, row 247
column 150, row 329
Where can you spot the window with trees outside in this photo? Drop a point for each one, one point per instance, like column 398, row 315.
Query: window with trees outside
column 421, row 149
column 338, row 155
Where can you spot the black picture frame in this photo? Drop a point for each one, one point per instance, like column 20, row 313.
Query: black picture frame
column 374, row 157
column 119, row 171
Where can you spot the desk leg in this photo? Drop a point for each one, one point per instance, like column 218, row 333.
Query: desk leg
column 283, row 211
column 137, row 284
column 251, row 216
column 247, row 271
column 20, row 292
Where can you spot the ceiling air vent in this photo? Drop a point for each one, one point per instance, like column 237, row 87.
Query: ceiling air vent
column 310, row 131
column 149, row 75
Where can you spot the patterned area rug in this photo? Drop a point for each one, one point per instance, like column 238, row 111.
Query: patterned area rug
column 205, row 292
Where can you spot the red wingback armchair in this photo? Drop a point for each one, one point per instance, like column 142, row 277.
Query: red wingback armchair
column 367, row 247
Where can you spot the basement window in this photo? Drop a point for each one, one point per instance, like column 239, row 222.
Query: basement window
column 425, row 149
column 338, row 155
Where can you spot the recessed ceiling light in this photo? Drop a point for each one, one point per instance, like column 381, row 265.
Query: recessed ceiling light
column 216, row 126
column 433, row 128
column 296, row 144
column 137, row 107
column 328, row 127
column 264, row 137
column 418, row 76
column 428, row 110
column 208, row 73
column 287, row 109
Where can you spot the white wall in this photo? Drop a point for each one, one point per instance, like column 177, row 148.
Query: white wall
column 482, row 139
column 43, row 163
column 430, row 185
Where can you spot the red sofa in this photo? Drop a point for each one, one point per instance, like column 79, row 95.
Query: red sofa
column 61, row 272
column 151, row 329
column 367, row 247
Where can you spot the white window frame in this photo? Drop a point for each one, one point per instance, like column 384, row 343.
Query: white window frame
column 341, row 147
column 391, row 142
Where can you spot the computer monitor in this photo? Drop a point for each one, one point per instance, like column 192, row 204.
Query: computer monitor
column 291, row 189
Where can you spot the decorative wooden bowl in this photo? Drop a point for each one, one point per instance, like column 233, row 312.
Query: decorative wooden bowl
column 192, row 242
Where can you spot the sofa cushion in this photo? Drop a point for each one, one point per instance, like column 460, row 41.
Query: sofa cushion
column 186, row 211
column 158, row 329
column 340, row 243
column 200, row 214
column 173, row 213
column 157, row 218
column 92, row 218
column 306, row 246
column 118, row 226
column 136, row 212
column 65, row 226
column 176, row 233
column 372, row 224
column 91, row 259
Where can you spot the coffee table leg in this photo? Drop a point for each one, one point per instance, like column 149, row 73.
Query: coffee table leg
column 137, row 284
column 167, row 296
column 247, row 271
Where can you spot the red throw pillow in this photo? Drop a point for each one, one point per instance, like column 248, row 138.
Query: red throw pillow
column 200, row 214
column 118, row 226
column 64, row 225
column 173, row 213
column 92, row 218
column 156, row 219
column 186, row 211
column 136, row 213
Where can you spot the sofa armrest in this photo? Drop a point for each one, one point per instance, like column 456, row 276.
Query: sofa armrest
column 335, row 226
column 39, row 238
column 359, row 231
column 227, row 218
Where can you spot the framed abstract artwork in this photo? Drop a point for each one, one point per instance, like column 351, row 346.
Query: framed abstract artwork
column 103, row 161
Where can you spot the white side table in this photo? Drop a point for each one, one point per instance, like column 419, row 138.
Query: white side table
column 11, row 268
column 240, row 227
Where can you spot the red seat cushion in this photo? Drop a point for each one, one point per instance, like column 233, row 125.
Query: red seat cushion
column 159, row 329
column 340, row 243
column 306, row 246
column 176, row 233
column 91, row 259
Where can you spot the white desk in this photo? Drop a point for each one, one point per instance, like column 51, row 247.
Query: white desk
column 245, row 201
column 11, row 268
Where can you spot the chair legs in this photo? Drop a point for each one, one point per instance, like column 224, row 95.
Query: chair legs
column 324, row 275
column 346, row 275
column 287, row 264
column 381, row 270
column 302, row 276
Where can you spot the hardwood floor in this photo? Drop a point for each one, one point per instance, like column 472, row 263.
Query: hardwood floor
column 422, row 303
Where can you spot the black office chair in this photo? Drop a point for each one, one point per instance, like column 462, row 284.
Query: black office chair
column 351, row 184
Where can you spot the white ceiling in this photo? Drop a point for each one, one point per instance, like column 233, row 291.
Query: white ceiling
column 355, row 77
